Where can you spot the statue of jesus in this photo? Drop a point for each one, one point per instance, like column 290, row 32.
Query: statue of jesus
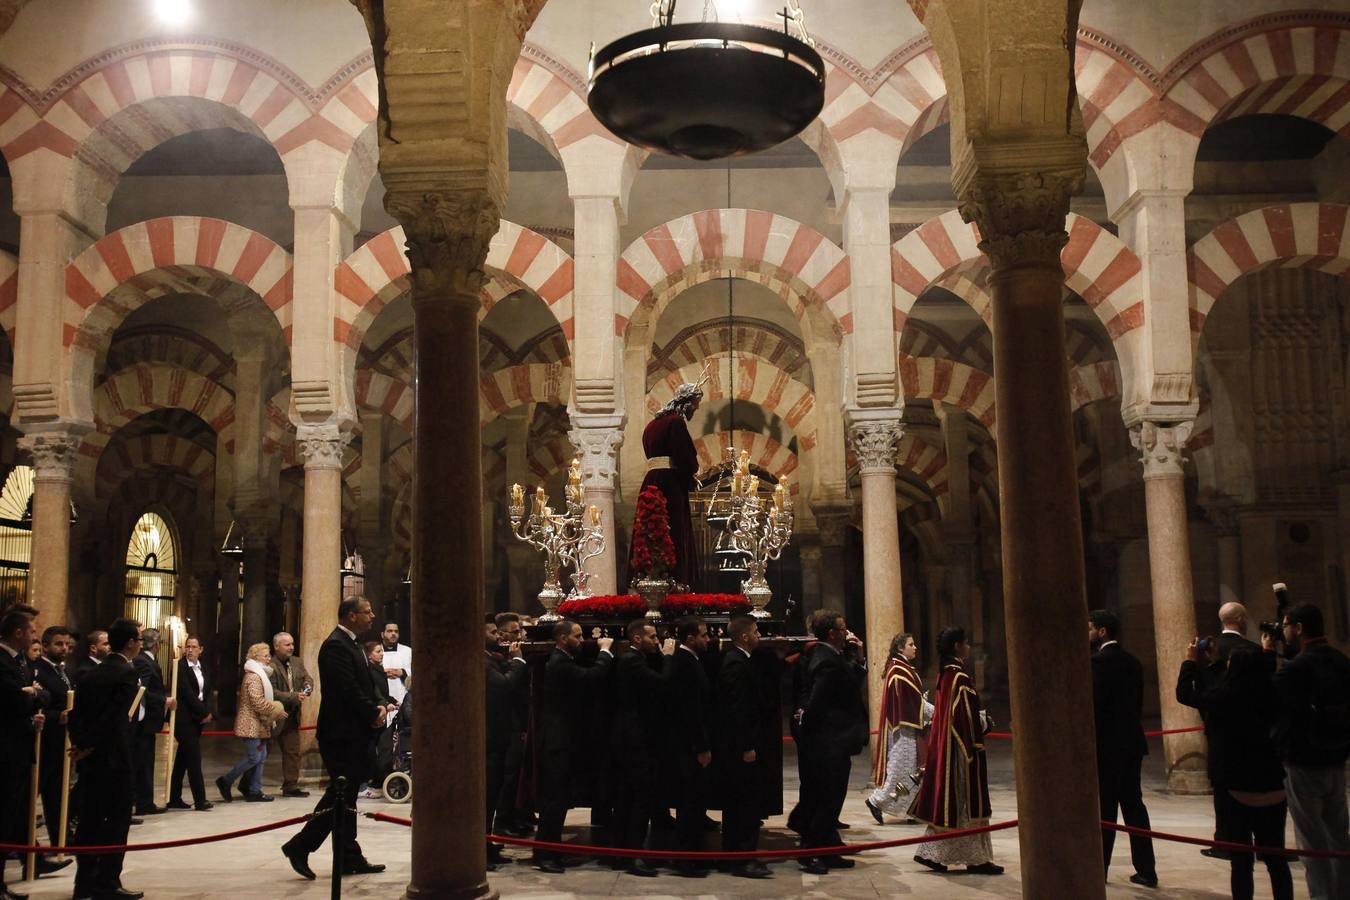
column 672, row 464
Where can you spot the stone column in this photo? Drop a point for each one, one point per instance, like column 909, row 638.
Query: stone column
column 321, row 553
column 1161, row 449
column 1019, row 196
column 448, row 223
column 53, row 455
column 597, row 440
column 373, row 542
column 874, row 443
column 809, row 552
column 226, row 649
column 254, row 542
column 833, row 522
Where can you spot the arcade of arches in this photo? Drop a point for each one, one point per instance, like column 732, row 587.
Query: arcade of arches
column 208, row 316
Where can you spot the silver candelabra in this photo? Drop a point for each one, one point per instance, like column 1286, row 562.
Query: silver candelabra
column 757, row 527
column 567, row 539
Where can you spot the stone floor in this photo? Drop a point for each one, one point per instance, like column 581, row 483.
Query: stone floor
column 253, row 868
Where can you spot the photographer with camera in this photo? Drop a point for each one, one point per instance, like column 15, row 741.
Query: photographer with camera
column 1244, row 767
column 1313, row 735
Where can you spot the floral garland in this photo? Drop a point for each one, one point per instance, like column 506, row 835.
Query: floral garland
column 653, row 549
column 631, row 606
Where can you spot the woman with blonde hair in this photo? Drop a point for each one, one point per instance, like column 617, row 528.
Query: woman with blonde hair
column 258, row 710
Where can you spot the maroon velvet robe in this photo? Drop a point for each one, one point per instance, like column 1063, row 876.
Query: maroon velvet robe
column 669, row 436
column 901, row 704
column 955, row 738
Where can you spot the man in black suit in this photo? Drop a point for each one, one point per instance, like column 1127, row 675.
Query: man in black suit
column 50, row 671
column 1117, row 705
column 102, row 737
column 1233, row 621
column 567, row 685
column 156, row 705
column 349, row 719
column 20, row 714
column 95, row 650
column 691, row 747
column 641, row 696
column 509, row 817
column 505, row 683
column 194, row 711
column 833, row 729
column 738, row 736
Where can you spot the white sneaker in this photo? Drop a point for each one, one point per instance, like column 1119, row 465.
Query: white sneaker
column 369, row 794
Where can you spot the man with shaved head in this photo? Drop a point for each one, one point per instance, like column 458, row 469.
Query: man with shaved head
column 1233, row 620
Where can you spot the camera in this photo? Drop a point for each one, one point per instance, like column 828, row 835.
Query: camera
column 1204, row 644
column 1275, row 629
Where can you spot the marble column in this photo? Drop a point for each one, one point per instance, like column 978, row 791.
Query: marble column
column 874, row 444
column 1161, row 447
column 53, row 455
column 320, row 555
column 448, row 219
column 254, row 542
column 597, row 440
column 809, row 552
column 226, row 649
column 1019, row 197
column 833, row 522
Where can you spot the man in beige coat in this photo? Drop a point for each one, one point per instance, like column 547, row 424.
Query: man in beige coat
column 292, row 686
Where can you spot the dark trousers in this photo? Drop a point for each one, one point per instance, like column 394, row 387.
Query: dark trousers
column 105, row 818
column 1118, row 788
column 555, row 798
column 187, row 760
column 1259, row 825
column 13, row 803
column 496, row 771
column 740, row 805
column 635, row 791
column 145, row 769
column 344, row 760
column 801, row 811
column 49, row 782
column 829, row 785
column 513, row 761
column 691, row 803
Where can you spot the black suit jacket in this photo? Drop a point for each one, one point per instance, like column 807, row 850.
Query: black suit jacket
column 1228, row 642
column 147, row 669
column 191, row 711
column 737, row 705
column 47, row 674
column 16, row 711
column 1118, row 706
column 82, row 666
column 348, row 706
column 506, row 681
column 641, row 696
column 99, row 721
column 834, row 721
column 690, row 693
column 566, row 687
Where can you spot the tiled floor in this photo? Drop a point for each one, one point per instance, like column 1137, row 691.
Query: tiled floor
column 252, row 868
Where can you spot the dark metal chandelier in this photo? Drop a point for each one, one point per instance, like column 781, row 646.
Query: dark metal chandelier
column 710, row 89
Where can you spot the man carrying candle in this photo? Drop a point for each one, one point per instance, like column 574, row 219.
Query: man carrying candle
column 672, row 464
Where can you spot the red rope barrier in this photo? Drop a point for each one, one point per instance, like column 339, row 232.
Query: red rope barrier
column 156, row 845
column 842, row 850
column 1228, row 845
column 1008, row 735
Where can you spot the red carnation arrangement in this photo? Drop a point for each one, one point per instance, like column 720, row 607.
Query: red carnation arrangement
column 605, row 606
column 631, row 606
column 653, row 548
column 677, row 605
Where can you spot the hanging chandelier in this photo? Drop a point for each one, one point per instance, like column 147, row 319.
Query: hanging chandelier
column 709, row 89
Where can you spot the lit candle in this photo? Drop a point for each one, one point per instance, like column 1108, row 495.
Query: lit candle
column 574, row 475
column 595, row 516
column 548, row 512
column 778, row 498
column 540, row 498
column 736, row 482
column 752, row 487
column 744, row 464
column 517, row 495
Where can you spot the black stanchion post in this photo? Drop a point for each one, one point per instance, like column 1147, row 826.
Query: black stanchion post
column 339, row 838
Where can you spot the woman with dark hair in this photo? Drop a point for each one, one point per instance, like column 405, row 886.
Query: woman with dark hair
column 904, row 713
column 955, row 790
column 1244, row 764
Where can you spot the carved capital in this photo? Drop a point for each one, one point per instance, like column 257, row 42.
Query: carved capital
column 1162, row 447
column 874, row 444
column 597, row 449
column 1021, row 214
column 53, row 454
column 447, row 234
column 322, row 445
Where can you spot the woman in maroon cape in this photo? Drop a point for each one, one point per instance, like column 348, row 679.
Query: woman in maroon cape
column 672, row 464
column 955, row 791
column 904, row 715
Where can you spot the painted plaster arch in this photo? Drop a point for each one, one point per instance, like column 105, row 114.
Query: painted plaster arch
column 753, row 381
column 765, row 452
column 499, row 391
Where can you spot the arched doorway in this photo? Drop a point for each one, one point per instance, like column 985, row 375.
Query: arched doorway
column 152, row 571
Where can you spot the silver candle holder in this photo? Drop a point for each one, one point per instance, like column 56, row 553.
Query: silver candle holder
column 567, row 538
column 756, row 527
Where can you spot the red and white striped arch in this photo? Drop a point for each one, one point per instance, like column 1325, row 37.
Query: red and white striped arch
column 154, row 451
column 796, row 261
column 141, row 389
column 766, row 453
column 174, row 245
column 1093, row 382
column 1097, row 265
column 555, row 112
column 753, row 381
column 546, row 458
column 498, row 392
column 9, row 293
column 945, row 380
column 913, row 454
column 377, row 273
column 907, row 98
column 708, row 339
column 1117, row 101
column 1294, row 235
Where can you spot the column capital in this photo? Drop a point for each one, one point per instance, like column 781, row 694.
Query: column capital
column 447, row 229
column 322, row 445
column 1162, row 447
column 598, row 449
column 874, row 443
column 53, row 452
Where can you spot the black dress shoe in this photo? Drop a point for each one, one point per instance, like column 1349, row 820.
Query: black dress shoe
column 136, row 820
column 935, row 866
column 842, row 826
column 755, row 869
column 362, row 867
column 119, row 894
column 299, row 860
column 224, row 787
column 985, row 869
column 46, row 866
column 294, row 792
column 177, row 804
column 690, row 869
column 838, row 862
column 875, row 811
column 642, row 869
column 203, row 806
column 813, row 865
column 259, row 798
column 151, row 810
column 1148, row 881
column 1215, row 853
column 549, row 866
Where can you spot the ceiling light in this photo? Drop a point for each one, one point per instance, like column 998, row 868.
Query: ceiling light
column 173, row 12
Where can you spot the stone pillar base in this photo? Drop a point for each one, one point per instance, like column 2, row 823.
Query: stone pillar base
column 477, row 892
column 1188, row 781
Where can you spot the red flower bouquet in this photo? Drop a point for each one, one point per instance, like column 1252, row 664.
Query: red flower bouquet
column 631, row 606
column 605, row 606
column 653, row 549
column 705, row 605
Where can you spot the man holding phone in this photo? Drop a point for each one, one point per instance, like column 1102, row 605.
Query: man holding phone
column 292, row 686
